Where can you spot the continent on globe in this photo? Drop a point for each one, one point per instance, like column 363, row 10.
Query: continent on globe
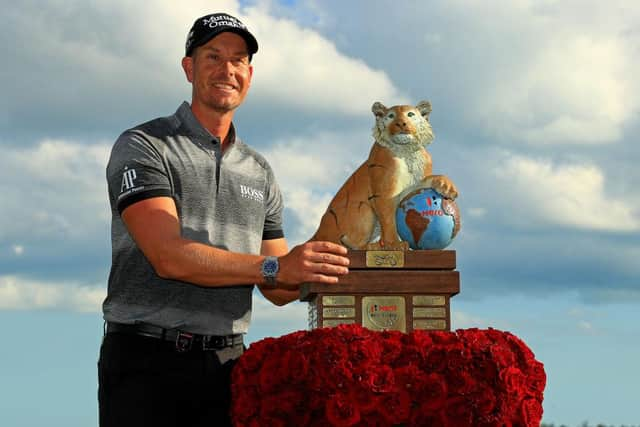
column 427, row 220
column 416, row 223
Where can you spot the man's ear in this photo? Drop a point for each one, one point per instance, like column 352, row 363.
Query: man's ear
column 187, row 66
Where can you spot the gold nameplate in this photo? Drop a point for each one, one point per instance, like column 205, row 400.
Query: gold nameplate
column 429, row 300
column 339, row 312
column 430, row 324
column 329, row 323
column 429, row 312
column 385, row 259
column 338, row 300
column 381, row 313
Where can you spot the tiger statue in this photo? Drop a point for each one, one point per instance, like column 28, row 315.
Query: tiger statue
column 365, row 206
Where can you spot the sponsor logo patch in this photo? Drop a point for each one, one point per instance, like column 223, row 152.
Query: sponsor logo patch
column 251, row 193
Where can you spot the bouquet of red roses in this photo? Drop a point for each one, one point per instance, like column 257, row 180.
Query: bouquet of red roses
column 352, row 376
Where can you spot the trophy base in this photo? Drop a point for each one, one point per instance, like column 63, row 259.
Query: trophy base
column 388, row 290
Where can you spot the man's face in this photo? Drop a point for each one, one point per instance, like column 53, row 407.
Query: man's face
column 220, row 72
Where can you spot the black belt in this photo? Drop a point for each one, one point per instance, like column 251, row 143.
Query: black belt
column 184, row 341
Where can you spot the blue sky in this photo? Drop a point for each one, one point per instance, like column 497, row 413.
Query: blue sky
column 536, row 114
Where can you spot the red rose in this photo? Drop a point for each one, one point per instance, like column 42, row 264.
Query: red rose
column 341, row 412
column 270, row 376
column 502, row 355
column 484, row 404
column 297, row 365
column 421, row 418
column 392, row 347
column 364, row 399
column 349, row 375
column 531, row 412
column 513, row 381
column 519, row 348
column 474, row 338
column 457, row 356
column 436, row 359
column 458, row 412
column 460, row 382
column 443, row 337
column 410, row 378
column 485, row 370
column 433, row 393
column 395, row 408
column 380, row 379
column 418, row 338
column 537, row 378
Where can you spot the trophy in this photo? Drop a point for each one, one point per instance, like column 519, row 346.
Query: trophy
column 395, row 217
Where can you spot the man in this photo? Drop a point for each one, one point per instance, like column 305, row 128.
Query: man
column 196, row 221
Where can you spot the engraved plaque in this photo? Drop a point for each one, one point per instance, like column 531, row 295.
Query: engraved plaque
column 385, row 259
column 338, row 300
column 429, row 300
column 328, row 323
column 429, row 312
column 339, row 312
column 381, row 313
column 431, row 324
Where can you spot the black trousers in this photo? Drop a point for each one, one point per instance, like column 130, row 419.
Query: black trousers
column 145, row 382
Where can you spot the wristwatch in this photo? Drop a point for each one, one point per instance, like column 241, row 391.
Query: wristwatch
column 270, row 269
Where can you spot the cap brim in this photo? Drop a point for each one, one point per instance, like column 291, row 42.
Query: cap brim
column 252, row 43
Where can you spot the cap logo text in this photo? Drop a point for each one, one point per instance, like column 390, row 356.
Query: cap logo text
column 224, row 20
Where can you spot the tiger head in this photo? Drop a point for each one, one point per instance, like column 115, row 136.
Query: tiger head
column 402, row 128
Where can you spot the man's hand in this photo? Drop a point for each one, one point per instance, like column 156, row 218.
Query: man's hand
column 320, row 262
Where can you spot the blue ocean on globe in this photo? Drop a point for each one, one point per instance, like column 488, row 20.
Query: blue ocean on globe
column 427, row 220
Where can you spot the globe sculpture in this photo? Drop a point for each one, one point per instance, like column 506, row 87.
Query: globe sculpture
column 427, row 220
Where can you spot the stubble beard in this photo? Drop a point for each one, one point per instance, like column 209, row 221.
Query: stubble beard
column 223, row 107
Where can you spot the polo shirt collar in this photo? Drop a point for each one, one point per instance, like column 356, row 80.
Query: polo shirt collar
column 191, row 123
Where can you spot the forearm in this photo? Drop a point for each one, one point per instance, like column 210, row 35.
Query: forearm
column 280, row 296
column 204, row 265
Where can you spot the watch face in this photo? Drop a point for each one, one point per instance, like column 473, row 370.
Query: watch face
column 270, row 267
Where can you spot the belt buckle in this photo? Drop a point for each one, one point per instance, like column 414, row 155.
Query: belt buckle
column 214, row 343
column 184, row 342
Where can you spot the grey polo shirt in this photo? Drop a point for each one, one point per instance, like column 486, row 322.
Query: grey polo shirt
column 228, row 199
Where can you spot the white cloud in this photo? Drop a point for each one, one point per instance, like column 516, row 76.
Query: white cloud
column 573, row 195
column 520, row 71
column 575, row 87
column 18, row 293
column 311, row 169
column 121, row 74
column 299, row 67
column 55, row 189
column 477, row 212
column 18, row 249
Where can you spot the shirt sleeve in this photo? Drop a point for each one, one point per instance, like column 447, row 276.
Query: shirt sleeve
column 136, row 171
column 274, row 207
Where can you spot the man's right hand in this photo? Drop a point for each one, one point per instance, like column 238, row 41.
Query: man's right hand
column 316, row 261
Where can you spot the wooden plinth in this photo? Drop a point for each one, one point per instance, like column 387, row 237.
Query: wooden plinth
column 384, row 292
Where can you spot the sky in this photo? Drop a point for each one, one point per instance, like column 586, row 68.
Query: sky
column 536, row 115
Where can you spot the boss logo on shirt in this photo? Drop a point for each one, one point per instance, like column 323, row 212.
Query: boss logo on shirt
column 251, row 193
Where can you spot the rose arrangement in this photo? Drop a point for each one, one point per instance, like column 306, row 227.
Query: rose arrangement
column 352, row 376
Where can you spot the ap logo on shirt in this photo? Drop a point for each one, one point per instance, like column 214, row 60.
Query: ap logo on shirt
column 128, row 178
